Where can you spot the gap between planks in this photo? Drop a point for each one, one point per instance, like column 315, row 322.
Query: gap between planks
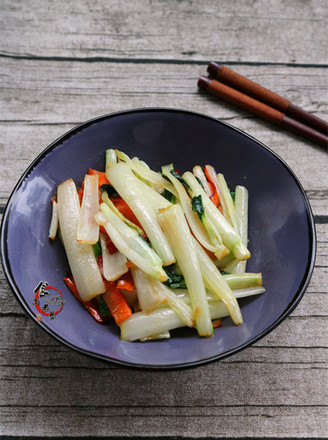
column 114, row 60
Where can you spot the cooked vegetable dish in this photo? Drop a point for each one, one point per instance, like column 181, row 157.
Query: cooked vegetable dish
column 155, row 251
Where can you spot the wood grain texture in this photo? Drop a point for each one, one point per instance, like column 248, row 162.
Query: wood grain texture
column 251, row 30
column 65, row 62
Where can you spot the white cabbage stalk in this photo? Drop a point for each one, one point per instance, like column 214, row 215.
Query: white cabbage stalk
column 165, row 335
column 199, row 173
column 215, row 282
column 248, row 291
column 80, row 256
column 229, row 236
column 177, row 231
column 192, row 217
column 111, row 205
column 114, row 265
column 146, row 173
column 224, row 262
column 122, row 246
column 149, row 298
column 128, row 186
column 182, row 310
column 87, row 229
column 226, row 200
column 156, row 200
column 111, row 157
column 183, row 294
column 143, row 164
column 131, row 236
column 141, row 325
column 54, row 221
column 241, row 207
column 243, row 280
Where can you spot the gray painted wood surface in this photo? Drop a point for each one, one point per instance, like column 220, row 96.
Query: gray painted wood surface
column 66, row 62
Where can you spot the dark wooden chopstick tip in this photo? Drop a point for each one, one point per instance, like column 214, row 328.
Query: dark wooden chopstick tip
column 214, row 68
column 203, row 82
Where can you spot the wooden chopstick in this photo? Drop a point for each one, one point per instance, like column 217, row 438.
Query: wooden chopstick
column 250, row 88
column 260, row 109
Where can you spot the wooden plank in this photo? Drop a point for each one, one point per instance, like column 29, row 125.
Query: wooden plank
column 271, row 384
column 274, row 32
column 200, row 422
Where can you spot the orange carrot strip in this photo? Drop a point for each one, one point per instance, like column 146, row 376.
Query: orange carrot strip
column 111, row 246
column 215, row 196
column 118, row 307
column 217, row 323
column 91, row 306
column 125, row 285
column 102, row 179
column 80, row 194
column 125, row 209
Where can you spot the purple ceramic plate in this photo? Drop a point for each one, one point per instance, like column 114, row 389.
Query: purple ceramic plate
column 281, row 231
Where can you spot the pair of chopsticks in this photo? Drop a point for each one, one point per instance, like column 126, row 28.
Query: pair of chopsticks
column 250, row 96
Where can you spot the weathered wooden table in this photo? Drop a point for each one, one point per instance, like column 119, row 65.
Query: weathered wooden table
column 64, row 62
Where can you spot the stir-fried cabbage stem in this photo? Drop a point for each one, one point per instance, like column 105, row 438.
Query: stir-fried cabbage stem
column 211, row 297
column 87, row 228
column 54, row 220
column 131, row 236
column 128, row 187
column 226, row 200
column 192, row 217
column 152, row 294
column 229, row 236
column 122, row 246
column 215, row 282
column 146, row 173
column 199, row 174
column 80, row 256
column 149, row 298
column 241, row 208
column 141, row 325
column 114, row 265
column 176, row 229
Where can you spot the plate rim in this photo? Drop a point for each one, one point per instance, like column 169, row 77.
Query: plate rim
column 57, row 142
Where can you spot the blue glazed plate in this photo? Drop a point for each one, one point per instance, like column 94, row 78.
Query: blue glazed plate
column 281, row 231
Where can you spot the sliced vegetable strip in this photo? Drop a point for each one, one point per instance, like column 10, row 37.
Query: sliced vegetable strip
column 141, row 325
column 146, row 173
column 229, row 236
column 222, row 189
column 114, row 264
column 241, row 207
column 102, row 179
column 193, row 219
column 123, row 211
column 118, row 307
column 128, row 186
column 217, row 284
column 87, row 229
column 131, row 236
column 91, row 306
column 154, row 270
column 199, row 174
column 214, row 196
column 54, row 221
column 149, row 298
column 80, row 256
column 176, row 229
